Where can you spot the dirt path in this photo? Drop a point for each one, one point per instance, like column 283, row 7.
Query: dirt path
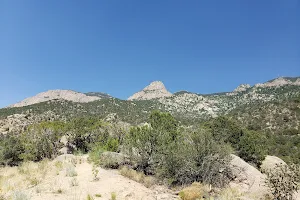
column 59, row 187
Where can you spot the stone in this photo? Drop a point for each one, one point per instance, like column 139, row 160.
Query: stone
column 248, row 179
column 270, row 163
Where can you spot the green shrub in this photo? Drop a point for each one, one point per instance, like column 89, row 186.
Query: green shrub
column 95, row 154
column 197, row 158
column 112, row 145
column 10, row 150
column 40, row 141
column 146, row 144
column 252, row 147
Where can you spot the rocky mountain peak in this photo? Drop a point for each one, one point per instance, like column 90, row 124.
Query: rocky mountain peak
column 242, row 88
column 68, row 95
column 155, row 90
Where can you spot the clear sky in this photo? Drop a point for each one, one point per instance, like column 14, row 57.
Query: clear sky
column 120, row 46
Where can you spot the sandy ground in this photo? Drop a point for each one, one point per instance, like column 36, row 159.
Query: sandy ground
column 57, row 186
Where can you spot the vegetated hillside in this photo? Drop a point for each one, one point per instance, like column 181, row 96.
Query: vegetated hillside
column 132, row 112
column 199, row 106
column 263, row 105
column 280, row 116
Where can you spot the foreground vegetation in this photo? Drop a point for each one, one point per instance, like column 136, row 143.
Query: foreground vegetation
column 162, row 148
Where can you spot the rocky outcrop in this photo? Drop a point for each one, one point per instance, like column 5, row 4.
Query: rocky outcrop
column 278, row 82
column 57, row 94
column 242, row 88
column 153, row 91
column 248, row 179
column 270, row 163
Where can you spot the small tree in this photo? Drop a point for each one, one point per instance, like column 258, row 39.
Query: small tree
column 283, row 181
column 252, row 147
column 146, row 145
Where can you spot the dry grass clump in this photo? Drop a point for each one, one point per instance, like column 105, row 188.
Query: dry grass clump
column 137, row 176
column 193, row 192
column 230, row 194
column 197, row 191
column 34, row 173
column 28, row 174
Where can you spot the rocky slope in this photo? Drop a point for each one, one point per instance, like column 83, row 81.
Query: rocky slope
column 153, row 91
column 57, row 94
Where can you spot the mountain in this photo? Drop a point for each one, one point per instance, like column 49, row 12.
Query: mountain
column 68, row 95
column 153, row 91
column 272, row 106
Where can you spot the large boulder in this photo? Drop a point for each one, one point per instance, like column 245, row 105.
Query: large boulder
column 248, row 179
column 270, row 163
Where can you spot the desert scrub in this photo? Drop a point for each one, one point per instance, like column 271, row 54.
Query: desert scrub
column 98, row 195
column 137, row 176
column 70, row 171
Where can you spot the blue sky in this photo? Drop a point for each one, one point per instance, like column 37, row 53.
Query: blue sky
column 120, row 46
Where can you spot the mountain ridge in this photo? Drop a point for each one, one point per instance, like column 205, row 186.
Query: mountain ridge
column 155, row 90
column 186, row 106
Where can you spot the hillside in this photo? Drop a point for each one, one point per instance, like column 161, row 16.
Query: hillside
column 248, row 104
